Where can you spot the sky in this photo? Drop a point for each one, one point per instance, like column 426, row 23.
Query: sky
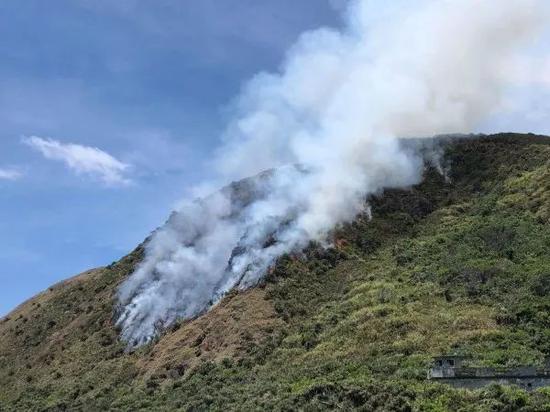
column 111, row 110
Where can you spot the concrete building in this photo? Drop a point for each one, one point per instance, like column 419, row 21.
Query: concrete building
column 450, row 370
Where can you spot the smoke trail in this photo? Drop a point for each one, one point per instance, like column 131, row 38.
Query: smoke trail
column 336, row 108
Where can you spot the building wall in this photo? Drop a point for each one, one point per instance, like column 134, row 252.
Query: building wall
column 527, row 383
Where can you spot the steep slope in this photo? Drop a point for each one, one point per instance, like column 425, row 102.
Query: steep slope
column 448, row 266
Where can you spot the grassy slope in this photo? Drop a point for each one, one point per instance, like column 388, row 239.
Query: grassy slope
column 446, row 267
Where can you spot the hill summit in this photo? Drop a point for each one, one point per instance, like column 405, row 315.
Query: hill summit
column 458, row 264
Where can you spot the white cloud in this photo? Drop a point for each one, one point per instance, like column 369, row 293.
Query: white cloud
column 83, row 160
column 10, row 174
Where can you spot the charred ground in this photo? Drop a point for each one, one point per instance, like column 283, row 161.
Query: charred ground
column 459, row 266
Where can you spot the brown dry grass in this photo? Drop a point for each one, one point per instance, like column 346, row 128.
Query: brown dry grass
column 224, row 332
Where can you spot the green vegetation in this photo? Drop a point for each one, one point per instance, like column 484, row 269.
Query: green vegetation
column 460, row 267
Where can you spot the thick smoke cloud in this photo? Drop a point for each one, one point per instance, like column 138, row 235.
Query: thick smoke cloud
column 336, row 108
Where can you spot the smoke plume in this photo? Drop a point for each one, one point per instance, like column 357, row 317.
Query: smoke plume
column 326, row 128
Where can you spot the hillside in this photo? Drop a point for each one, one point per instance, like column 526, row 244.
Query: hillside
column 459, row 265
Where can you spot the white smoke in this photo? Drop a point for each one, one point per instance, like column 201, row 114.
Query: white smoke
column 336, row 108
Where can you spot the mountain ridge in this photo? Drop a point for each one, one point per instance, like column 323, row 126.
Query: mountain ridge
column 359, row 321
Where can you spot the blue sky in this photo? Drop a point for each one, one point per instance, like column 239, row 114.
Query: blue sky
column 147, row 84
